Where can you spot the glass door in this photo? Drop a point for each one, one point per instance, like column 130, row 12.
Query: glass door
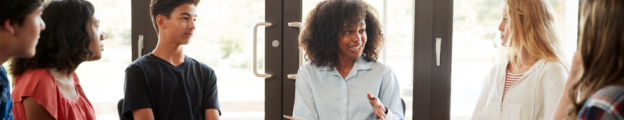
column 397, row 18
column 227, row 40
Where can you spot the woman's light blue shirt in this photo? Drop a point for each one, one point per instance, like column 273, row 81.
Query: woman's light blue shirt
column 323, row 94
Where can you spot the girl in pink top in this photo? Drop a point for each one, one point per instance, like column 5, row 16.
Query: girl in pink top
column 46, row 87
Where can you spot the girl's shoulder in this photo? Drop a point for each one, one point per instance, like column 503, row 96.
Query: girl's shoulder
column 35, row 83
column 554, row 65
column 34, row 76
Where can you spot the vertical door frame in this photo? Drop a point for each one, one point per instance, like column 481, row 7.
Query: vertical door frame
column 273, row 60
column 292, row 13
column 141, row 25
column 432, row 83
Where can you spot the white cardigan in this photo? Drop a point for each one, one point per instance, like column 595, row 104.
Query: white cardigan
column 533, row 97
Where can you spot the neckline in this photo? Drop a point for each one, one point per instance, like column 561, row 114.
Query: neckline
column 359, row 65
column 509, row 73
column 58, row 91
column 186, row 60
column 528, row 72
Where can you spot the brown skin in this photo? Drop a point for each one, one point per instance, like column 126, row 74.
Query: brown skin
column 96, row 46
column 378, row 107
column 351, row 43
column 65, row 82
column 20, row 41
column 34, row 111
column 173, row 33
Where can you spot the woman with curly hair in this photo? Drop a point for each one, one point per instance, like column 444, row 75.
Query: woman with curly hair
column 343, row 80
column 46, row 86
column 529, row 80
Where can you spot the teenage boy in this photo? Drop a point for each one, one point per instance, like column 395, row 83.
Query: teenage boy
column 166, row 84
column 19, row 31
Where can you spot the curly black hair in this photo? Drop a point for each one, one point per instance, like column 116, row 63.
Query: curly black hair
column 64, row 44
column 325, row 23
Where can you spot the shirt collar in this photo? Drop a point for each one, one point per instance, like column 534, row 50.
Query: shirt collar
column 360, row 64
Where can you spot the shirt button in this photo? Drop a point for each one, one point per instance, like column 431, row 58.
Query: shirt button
column 343, row 118
column 344, row 100
column 343, row 82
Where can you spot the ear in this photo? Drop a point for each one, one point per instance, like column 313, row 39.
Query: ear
column 160, row 21
column 8, row 27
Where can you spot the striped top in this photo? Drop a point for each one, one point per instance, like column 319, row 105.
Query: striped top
column 510, row 80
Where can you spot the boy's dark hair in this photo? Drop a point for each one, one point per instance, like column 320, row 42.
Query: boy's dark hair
column 325, row 23
column 17, row 10
column 165, row 7
column 64, row 44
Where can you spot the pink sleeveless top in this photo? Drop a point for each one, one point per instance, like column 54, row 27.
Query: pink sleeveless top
column 41, row 86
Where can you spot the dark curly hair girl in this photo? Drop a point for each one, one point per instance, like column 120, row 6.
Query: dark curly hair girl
column 325, row 24
column 65, row 44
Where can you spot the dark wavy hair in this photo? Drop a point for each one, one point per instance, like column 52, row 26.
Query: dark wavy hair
column 325, row 23
column 17, row 10
column 165, row 7
column 601, row 48
column 64, row 44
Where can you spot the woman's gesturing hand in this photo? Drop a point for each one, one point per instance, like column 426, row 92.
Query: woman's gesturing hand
column 378, row 107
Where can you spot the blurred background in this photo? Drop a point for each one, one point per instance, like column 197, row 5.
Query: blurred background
column 223, row 41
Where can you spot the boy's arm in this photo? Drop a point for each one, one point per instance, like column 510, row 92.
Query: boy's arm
column 136, row 99
column 210, row 95
column 212, row 114
column 143, row 114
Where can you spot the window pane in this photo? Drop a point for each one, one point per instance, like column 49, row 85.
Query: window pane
column 223, row 41
column 103, row 80
column 397, row 18
column 475, row 42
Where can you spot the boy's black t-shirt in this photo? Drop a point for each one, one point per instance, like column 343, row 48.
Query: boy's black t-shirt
column 182, row 92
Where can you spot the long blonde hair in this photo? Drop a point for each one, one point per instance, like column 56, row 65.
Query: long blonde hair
column 532, row 26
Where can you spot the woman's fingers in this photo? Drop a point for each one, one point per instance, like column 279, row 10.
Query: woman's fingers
column 371, row 99
column 372, row 102
column 382, row 116
column 378, row 108
column 577, row 68
column 379, row 114
column 383, row 109
column 576, row 63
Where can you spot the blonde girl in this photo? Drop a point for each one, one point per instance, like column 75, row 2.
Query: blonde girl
column 529, row 80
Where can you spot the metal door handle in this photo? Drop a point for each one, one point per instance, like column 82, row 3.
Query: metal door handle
column 292, row 76
column 255, row 39
column 140, row 46
column 438, row 49
column 301, row 27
